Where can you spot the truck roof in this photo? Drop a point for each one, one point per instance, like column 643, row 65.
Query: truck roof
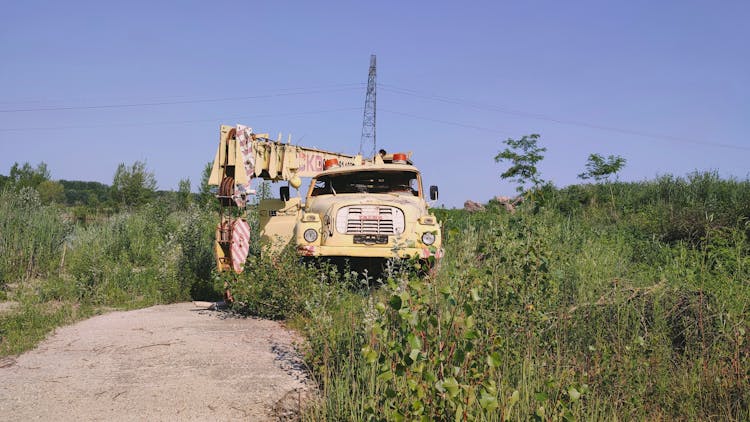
column 369, row 167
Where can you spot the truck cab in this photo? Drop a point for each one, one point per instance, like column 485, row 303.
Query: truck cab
column 369, row 211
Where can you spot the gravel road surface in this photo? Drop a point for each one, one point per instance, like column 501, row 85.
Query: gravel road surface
column 172, row 362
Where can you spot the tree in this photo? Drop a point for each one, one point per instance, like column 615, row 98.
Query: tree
column 50, row 192
column 183, row 192
column 599, row 168
column 206, row 196
column 86, row 193
column 523, row 155
column 26, row 176
column 134, row 185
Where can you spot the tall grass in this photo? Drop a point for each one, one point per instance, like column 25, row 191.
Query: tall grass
column 146, row 257
column 576, row 307
column 57, row 272
column 31, row 237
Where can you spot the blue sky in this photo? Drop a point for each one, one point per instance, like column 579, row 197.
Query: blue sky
column 664, row 84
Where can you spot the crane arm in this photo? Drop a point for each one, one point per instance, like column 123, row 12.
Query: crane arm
column 244, row 155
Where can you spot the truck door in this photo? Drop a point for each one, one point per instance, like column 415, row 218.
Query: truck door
column 277, row 220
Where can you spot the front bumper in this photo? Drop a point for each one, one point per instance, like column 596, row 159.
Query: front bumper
column 369, row 251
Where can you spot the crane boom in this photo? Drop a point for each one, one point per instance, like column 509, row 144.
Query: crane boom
column 244, row 155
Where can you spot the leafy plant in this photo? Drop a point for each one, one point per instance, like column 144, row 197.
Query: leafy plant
column 183, row 193
column 134, row 185
column 600, row 169
column 523, row 155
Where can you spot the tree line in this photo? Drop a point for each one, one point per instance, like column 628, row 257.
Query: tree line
column 132, row 185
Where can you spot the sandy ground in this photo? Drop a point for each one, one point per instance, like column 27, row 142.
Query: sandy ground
column 171, row 362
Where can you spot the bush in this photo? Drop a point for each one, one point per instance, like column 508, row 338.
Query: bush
column 540, row 315
column 144, row 257
column 31, row 236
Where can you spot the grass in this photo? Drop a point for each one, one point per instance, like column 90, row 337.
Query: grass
column 595, row 302
column 575, row 307
column 58, row 272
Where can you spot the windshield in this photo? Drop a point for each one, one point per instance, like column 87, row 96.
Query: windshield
column 400, row 182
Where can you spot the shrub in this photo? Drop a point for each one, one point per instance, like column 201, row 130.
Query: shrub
column 31, row 236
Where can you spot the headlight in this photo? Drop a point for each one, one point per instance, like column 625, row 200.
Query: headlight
column 311, row 235
column 428, row 238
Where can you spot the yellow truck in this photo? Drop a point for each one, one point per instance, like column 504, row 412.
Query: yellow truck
column 355, row 208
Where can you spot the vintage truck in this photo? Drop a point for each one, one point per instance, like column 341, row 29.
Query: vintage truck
column 354, row 208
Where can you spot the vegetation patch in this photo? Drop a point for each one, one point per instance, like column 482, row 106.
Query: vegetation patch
column 575, row 307
column 607, row 301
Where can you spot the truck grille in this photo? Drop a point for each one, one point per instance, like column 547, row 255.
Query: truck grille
column 370, row 219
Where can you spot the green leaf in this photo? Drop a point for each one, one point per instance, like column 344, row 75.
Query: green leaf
column 439, row 387
column 459, row 416
column 541, row 396
column 451, row 385
column 385, row 376
column 405, row 314
column 414, row 341
column 429, row 376
column 490, row 387
column 400, row 369
column 494, row 360
column 475, row 294
column 370, row 355
column 488, row 401
column 395, row 302
column 573, row 394
column 470, row 321
column 513, row 399
column 434, row 321
column 413, row 318
column 415, row 284
column 568, row 415
column 414, row 354
column 460, row 356
column 471, row 335
column 417, row 407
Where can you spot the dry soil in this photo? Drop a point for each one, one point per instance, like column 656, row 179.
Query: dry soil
column 173, row 362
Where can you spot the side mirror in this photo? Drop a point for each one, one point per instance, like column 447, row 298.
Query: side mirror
column 284, row 193
column 433, row 193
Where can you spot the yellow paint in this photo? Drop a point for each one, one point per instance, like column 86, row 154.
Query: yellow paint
column 277, row 220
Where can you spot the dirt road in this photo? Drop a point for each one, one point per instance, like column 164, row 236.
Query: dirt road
column 171, row 362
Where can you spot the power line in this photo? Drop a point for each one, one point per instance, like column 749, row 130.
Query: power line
column 22, row 101
column 194, row 101
column 446, row 122
column 143, row 124
column 481, row 106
